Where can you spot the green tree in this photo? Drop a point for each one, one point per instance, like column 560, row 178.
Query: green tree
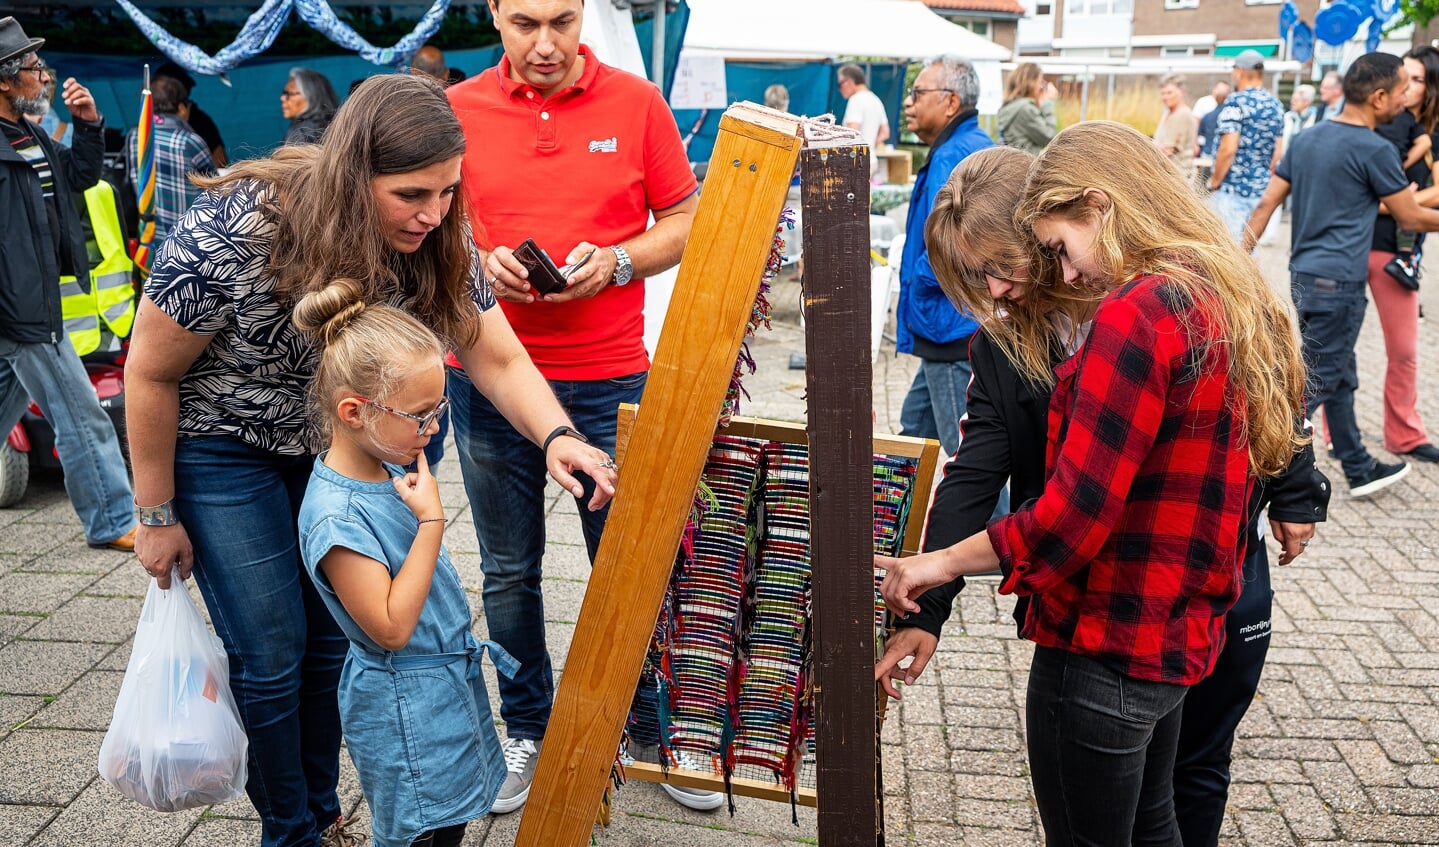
column 1425, row 16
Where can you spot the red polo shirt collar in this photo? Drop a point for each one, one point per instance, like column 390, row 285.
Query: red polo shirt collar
column 515, row 89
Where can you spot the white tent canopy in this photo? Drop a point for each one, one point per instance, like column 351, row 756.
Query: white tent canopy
column 823, row 29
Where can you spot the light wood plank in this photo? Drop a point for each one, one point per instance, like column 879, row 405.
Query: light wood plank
column 728, row 247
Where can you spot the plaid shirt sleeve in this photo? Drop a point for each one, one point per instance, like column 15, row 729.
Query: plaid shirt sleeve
column 1116, row 408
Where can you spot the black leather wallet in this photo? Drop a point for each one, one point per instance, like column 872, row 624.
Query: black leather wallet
column 544, row 276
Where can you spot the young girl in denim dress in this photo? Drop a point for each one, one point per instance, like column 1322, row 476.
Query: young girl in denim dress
column 413, row 707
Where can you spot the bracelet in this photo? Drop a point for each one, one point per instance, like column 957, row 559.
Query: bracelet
column 558, row 431
column 422, row 521
column 161, row 515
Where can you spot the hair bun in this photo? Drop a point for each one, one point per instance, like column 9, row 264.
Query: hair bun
column 327, row 312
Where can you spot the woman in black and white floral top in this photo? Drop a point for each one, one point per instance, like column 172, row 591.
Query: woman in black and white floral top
column 217, row 380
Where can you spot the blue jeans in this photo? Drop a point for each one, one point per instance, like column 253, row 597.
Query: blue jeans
column 1101, row 753
column 1331, row 312
column 95, row 478
column 505, row 476
column 936, row 402
column 1234, row 211
column 1214, row 707
column 239, row 505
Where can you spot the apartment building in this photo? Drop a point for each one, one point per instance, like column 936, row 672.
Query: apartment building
column 997, row 20
column 1151, row 29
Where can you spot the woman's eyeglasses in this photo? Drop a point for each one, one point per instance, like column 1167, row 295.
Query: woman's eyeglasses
column 287, row 94
column 423, row 420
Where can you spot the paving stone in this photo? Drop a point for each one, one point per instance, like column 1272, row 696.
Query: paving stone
column 47, row 766
column 1370, row 763
column 18, row 824
column 45, row 667
column 223, row 832
column 101, row 816
column 99, row 619
column 1267, row 828
column 1304, row 811
column 88, row 704
column 15, row 708
column 42, row 593
column 1400, row 743
column 1337, row 786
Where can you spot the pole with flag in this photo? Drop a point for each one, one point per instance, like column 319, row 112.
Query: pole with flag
column 145, row 179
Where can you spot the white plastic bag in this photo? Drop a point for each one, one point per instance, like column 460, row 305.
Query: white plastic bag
column 175, row 741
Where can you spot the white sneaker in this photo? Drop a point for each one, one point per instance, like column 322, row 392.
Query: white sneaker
column 693, row 798
column 521, row 756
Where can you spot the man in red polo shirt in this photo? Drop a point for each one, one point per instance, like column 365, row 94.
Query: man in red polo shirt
column 576, row 155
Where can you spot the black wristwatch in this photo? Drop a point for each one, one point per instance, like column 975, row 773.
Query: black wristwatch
column 559, row 431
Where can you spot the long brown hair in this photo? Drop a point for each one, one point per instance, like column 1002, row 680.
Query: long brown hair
column 329, row 223
column 1022, row 81
column 971, row 227
column 1156, row 223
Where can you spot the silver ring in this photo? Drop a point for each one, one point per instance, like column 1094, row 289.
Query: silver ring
column 609, row 463
column 1304, row 544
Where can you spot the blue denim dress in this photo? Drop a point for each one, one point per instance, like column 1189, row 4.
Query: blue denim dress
column 417, row 720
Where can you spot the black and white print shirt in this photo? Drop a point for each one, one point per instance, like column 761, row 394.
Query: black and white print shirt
column 210, row 277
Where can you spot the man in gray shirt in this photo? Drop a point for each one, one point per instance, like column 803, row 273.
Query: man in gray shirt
column 1339, row 171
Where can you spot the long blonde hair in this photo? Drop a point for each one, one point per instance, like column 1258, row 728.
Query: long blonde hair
column 972, row 227
column 368, row 349
column 1022, row 81
column 328, row 220
column 1156, row 223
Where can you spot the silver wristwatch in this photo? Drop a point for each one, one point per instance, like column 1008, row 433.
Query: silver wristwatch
column 624, row 269
column 161, row 515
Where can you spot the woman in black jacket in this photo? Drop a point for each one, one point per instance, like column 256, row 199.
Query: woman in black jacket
column 982, row 261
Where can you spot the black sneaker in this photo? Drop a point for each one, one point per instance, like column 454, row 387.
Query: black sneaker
column 1405, row 273
column 1377, row 478
column 1425, row 452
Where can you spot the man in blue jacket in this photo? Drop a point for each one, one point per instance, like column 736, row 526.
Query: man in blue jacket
column 940, row 110
column 43, row 242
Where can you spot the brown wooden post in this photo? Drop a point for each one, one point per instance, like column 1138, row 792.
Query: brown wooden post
column 835, row 183
column 744, row 191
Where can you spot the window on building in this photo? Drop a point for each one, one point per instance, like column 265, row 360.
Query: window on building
column 1099, row 7
column 1043, row 9
column 1181, row 4
column 976, row 26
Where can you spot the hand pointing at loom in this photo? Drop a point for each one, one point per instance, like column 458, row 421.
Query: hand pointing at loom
column 906, row 579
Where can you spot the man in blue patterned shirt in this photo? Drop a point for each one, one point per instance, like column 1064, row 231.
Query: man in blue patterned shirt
column 1250, row 123
column 179, row 152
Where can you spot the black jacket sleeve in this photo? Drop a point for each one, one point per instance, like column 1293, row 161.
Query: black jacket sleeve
column 972, row 482
column 81, row 164
column 1301, row 493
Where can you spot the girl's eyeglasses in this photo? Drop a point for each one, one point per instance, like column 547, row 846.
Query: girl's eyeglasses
column 423, row 420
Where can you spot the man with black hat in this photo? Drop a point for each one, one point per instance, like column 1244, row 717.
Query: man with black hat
column 43, row 242
column 1250, row 123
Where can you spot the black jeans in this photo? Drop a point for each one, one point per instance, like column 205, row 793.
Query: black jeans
column 1331, row 313
column 445, row 836
column 1101, row 753
column 1214, row 707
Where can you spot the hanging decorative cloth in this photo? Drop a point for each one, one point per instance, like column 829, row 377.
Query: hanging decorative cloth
column 318, row 14
column 254, row 38
column 261, row 29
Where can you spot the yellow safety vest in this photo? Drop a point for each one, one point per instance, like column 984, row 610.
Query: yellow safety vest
column 111, row 297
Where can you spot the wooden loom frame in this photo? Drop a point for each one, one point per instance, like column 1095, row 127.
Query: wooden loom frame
column 923, row 449
column 746, row 186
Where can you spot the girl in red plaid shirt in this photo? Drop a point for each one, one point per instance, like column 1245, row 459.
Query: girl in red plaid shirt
column 1186, row 388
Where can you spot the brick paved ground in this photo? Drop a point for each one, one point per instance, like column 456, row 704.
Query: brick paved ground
column 1340, row 747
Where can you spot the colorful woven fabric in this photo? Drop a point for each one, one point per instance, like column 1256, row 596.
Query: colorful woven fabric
column 731, row 662
column 707, row 594
column 778, row 629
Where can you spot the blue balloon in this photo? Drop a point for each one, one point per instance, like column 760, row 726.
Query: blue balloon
column 1376, row 33
column 1384, row 10
column 1301, row 48
column 1288, row 17
column 1338, row 23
